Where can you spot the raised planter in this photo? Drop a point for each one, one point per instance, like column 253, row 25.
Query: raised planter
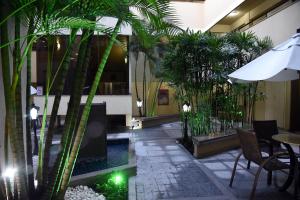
column 213, row 144
column 158, row 120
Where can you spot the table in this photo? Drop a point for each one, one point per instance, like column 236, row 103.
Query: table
column 288, row 139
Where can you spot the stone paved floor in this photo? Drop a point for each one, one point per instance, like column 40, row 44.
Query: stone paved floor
column 165, row 170
column 221, row 166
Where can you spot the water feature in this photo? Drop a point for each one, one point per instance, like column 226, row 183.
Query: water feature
column 117, row 155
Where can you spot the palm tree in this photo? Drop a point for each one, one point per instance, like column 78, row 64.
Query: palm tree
column 11, row 84
column 62, row 70
column 152, row 50
column 248, row 48
column 155, row 12
column 10, row 103
column 135, row 48
column 73, row 109
column 44, row 19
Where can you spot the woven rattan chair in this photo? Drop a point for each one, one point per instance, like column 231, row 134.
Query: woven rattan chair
column 264, row 130
column 251, row 151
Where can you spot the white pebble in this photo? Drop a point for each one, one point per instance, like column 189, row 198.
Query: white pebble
column 82, row 193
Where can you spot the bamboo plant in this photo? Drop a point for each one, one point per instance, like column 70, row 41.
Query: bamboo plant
column 197, row 65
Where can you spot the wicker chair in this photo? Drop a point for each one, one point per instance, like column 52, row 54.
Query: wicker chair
column 252, row 152
column 264, row 130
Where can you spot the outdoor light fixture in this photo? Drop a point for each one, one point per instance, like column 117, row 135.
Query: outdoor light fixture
column 35, row 183
column 134, row 123
column 139, row 104
column 9, row 173
column 58, row 44
column 118, row 179
column 186, row 108
column 233, row 13
column 125, row 60
column 34, row 115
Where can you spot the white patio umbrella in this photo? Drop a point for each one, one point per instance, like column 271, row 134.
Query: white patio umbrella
column 281, row 63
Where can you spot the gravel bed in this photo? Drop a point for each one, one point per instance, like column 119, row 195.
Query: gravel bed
column 82, row 193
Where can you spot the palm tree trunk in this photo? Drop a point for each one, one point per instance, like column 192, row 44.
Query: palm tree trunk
column 70, row 120
column 3, row 194
column 154, row 98
column 85, row 114
column 5, row 61
column 19, row 110
column 75, row 100
column 58, row 93
column 10, row 108
column 40, row 177
column 16, row 60
column 135, row 81
column 18, row 154
column 144, row 86
column 30, row 176
column 13, row 101
column 6, row 158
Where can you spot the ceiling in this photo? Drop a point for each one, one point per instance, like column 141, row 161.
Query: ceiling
column 242, row 9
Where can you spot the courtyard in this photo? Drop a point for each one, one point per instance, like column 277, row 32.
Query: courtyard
column 149, row 99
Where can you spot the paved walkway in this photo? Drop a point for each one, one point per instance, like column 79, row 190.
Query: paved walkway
column 165, row 170
column 221, row 167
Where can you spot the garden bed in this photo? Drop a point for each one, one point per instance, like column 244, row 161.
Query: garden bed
column 215, row 143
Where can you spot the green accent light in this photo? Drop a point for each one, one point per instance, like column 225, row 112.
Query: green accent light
column 117, row 179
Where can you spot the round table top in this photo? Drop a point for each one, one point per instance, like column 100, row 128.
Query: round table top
column 288, row 138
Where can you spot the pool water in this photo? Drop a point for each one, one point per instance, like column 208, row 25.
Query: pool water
column 117, row 155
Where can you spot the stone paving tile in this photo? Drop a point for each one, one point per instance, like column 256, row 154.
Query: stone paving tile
column 167, row 171
column 243, row 180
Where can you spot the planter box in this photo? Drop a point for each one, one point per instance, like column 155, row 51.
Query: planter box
column 213, row 144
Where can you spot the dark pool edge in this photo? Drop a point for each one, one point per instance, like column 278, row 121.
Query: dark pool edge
column 91, row 177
